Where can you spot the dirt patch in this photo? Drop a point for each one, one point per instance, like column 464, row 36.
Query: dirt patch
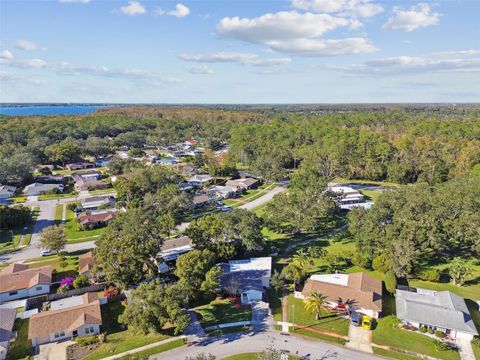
column 77, row 351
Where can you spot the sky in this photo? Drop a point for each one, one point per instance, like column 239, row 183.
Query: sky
column 227, row 51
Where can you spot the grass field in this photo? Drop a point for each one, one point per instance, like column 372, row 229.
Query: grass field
column 11, row 239
column 221, row 311
column 393, row 354
column 386, row 333
column 323, row 337
column 21, row 347
column 74, row 234
column 70, row 268
column 57, row 196
column 145, row 354
column 119, row 340
column 329, row 321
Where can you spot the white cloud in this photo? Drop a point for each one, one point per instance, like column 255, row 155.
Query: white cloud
column 75, row 1
column 25, row 64
column 26, row 45
column 13, row 78
column 458, row 53
column 179, row 12
column 411, row 65
column 199, row 69
column 295, row 33
column 6, row 54
column 133, row 8
column 360, row 8
column 417, row 16
column 235, row 57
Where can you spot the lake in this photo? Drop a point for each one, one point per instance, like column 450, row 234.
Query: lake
column 49, row 109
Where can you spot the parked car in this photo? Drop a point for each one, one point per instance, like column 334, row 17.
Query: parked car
column 356, row 319
column 367, row 322
column 47, row 252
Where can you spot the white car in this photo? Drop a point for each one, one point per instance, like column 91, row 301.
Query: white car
column 47, row 252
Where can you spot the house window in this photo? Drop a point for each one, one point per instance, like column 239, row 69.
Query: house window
column 89, row 330
column 59, row 334
column 12, row 293
column 38, row 288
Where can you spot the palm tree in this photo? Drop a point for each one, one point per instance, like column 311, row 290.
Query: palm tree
column 315, row 303
column 302, row 259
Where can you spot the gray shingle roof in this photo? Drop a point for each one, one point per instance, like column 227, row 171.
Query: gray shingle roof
column 437, row 308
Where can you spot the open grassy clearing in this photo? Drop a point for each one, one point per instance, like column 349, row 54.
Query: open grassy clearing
column 110, row 190
column 393, row 354
column 221, row 311
column 57, row 196
column 323, row 337
column 386, row 333
column 145, row 354
column 366, row 182
column 118, row 338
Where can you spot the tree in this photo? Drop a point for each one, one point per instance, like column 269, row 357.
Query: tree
column 154, row 305
column 390, row 282
column 202, row 356
column 16, row 165
column 211, row 284
column 53, row 238
column 277, row 281
column 97, row 147
column 294, row 272
column 80, row 281
column 64, row 151
column 459, row 271
column 127, row 248
column 302, row 258
column 193, row 267
column 315, row 303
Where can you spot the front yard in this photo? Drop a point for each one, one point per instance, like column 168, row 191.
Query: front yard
column 387, row 333
column 73, row 233
column 221, row 311
column 12, row 239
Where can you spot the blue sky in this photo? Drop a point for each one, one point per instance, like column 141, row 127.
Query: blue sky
column 225, row 51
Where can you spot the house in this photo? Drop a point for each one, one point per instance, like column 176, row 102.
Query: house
column 201, row 200
column 66, row 323
column 92, row 219
column 19, row 281
column 436, row 310
column 80, row 165
column 170, row 161
column 83, row 185
column 248, row 278
column 356, row 291
column 349, row 198
column 86, row 263
column 102, row 162
column 186, row 169
column 95, row 202
column 50, row 179
column 87, row 175
column 6, row 192
column 171, row 249
column 222, row 192
column 7, row 319
column 243, row 184
column 36, row 189
column 199, row 180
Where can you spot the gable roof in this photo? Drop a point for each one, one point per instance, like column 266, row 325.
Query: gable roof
column 358, row 289
column 7, row 319
column 15, row 267
column 438, row 308
column 68, row 319
column 87, row 217
column 175, row 243
column 243, row 182
column 86, row 262
column 25, row 279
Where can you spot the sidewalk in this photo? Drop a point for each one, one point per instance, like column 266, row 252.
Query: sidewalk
column 142, row 348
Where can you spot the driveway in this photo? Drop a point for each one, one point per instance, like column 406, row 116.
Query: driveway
column 261, row 317
column 237, row 343
column 359, row 339
column 53, row 351
column 264, row 199
column 465, row 349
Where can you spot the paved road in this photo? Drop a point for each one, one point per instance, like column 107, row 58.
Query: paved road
column 236, row 343
column 46, row 217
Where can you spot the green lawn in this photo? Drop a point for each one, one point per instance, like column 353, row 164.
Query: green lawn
column 57, row 196
column 21, row 347
column 73, row 233
column 7, row 242
column 476, row 350
column 145, row 354
column 328, row 321
column 119, row 340
column 110, row 190
column 393, row 354
column 59, row 213
column 366, row 182
column 69, row 172
column 221, row 311
column 323, row 337
column 18, row 199
column 71, row 268
column 229, row 330
column 372, row 194
column 388, row 334
column 28, row 234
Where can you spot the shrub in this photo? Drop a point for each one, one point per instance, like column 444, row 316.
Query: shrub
column 66, row 282
column 111, row 291
column 440, row 345
column 381, row 263
column 72, row 206
column 361, row 261
column 440, row 334
column 390, row 282
column 63, row 264
column 422, row 329
column 430, row 331
column 80, row 281
column 89, row 340
column 430, row 275
column 63, row 289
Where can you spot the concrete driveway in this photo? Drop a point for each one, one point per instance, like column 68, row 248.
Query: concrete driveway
column 359, row 339
column 53, row 351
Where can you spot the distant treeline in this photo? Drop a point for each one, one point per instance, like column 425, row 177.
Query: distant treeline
column 401, row 143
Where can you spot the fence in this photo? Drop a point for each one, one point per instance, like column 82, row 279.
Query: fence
column 26, row 314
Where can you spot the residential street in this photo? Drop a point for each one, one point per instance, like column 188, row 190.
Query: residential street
column 235, row 343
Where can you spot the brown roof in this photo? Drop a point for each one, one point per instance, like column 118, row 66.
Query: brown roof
column 87, row 217
column 362, row 290
column 175, row 243
column 25, row 279
column 7, row 319
column 86, row 262
column 15, row 267
column 200, row 199
column 68, row 319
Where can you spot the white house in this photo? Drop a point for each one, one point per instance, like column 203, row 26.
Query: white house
column 248, row 278
column 36, row 189
column 17, row 281
column 66, row 323
column 6, row 192
column 436, row 310
column 222, row 192
column 349, row 198
column 97, row 201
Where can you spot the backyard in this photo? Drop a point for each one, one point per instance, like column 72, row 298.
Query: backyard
column 21, row 347
column 221, row 311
